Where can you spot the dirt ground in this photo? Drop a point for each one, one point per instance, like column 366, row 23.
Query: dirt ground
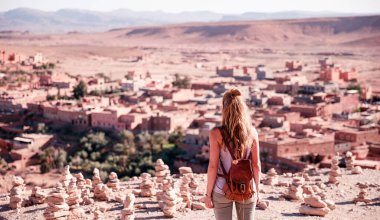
column 343, row 195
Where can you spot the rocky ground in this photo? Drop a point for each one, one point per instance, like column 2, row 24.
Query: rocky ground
column 147, row 208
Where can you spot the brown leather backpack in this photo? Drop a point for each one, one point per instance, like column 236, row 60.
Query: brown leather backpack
column 239, row 179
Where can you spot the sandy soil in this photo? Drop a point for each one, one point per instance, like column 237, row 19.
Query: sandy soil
column 342, row 195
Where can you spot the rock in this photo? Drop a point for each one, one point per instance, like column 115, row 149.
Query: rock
column 128, row 212
column 315, row 201
column 161, row 170
column 362, row 197
column 307, row 210
column 271, row 178
column 17, row 194
column 330, row 204
column 184, row 170
column 66, row 176
column 96, row 178
column 263, row 205
column 357, row 170
column 102, row 192
column 81, row 182
column 198, row 206
column 38, row 196
column 57, row 206
column 295, row 191
column 184, row 190
column 335, row 171
column 349, row 160
column 113, row 181
column 147, row 187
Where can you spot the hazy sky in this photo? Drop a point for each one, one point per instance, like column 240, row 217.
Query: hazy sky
column 222, row 6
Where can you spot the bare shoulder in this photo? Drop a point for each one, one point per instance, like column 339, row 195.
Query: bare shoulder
column 215, row 132
column 255, row 134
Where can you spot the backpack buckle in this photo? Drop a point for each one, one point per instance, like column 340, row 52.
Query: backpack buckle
column 242, row 187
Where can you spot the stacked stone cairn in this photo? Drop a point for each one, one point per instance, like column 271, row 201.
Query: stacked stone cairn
column 314, row 205
column 167, row 184
column 66, row 176
column 161, row 170
column 295, row 192
column 349, row 160
column 96, row 178
column 113, row 182
column 102, row 192
column 147, row 186
column 271, row 178
column 335, row 171
column 184, row 190
column 75, row 198
column 194, row 186
column 363, row 193
column 128, row 212
column 17, row 193
column 57, row 206
column 81, row 182
column 170, row 201
column 84, row 186
column 38, row 196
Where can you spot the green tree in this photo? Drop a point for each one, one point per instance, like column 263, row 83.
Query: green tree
column 80, row 90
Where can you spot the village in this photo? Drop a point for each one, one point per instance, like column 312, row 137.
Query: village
column 301, row 119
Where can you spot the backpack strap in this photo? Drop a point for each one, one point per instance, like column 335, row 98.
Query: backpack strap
column 222, row 132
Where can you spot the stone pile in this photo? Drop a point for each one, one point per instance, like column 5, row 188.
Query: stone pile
column 184, row 190
column 349, row 160
column 128, row 212
column 357, row 170
column 147, row 186
column 66, row 176
column 75, row 198
column 96, row 178
column 314, row 205
column 184, row 170
column 194, row 186
column 271, row 178
column 167, row 184
column 170, row 202
column 102, row 192
column 17, row 193
column 38, row 196
column 295, row 192
column 161, row 170
column 86, row 198
column 113, row 181
column 363, row 193
column 335, row 171
column 57, row 206
column 81, row 182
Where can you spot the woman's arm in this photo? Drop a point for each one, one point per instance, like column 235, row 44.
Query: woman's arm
column 212, row 165
column 256, row 165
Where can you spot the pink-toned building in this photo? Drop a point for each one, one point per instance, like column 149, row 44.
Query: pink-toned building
column 330, row 74
column 294, row 65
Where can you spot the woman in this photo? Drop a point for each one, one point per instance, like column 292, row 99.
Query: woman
column 243, row 140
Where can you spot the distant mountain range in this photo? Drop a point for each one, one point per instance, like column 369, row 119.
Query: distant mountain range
column 69, row 20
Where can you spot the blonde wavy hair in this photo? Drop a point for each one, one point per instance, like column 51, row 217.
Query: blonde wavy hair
column 236, row 120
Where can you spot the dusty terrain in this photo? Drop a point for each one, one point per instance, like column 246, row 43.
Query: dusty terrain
column 350, row 41
column 343, row 194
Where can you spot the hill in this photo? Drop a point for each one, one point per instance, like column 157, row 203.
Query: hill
column 66, row 20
